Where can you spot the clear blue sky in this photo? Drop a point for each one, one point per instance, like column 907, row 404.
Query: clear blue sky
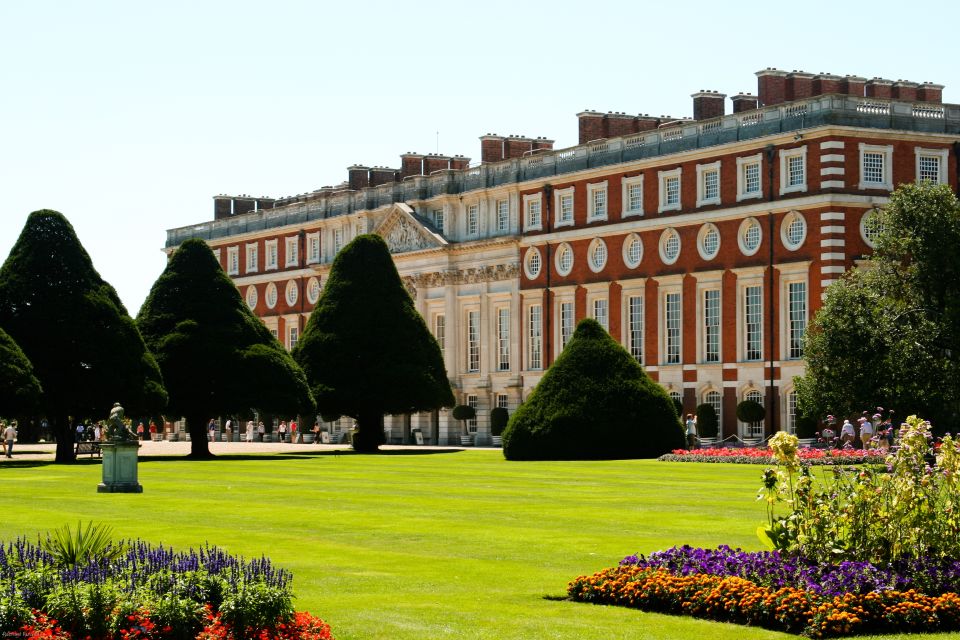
column 128, row 116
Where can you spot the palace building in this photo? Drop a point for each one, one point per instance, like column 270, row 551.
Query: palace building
column 704, row 244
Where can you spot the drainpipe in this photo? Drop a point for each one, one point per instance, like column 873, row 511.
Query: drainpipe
column 771, row 153
column 547, row 356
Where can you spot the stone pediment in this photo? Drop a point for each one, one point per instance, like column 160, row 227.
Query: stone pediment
column 403, row 232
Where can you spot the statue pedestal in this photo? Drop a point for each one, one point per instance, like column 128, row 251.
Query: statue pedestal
column 120, row 468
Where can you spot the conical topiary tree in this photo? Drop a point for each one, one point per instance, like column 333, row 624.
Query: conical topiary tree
column 218, row 357
column 85, row 350
column 594, row 402
column 19, row 387
column 366, row 351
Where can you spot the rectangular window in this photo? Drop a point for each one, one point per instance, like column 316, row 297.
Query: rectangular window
column 535, row 335
column 748, row 177
column 753, row 318
column 672, row 324
column 635, row 327
column 438, row 219
column 928, row 169
column 565, row 208
column 252, row 258
column 503, row 215
column 294, row 334
column 271, row 259
column 672, row 187
column 533, row 214
column 440, row 331
column 669, row 190
column 337, row 241
column 503, row 339
column 795, row 173
column 600, row 312
column 473, row 341
column 751, row 178
column 633, row 195
column 233, row 260
column 473, row 220
column 797, row 314
column 792, row 412
column 275, row 334
column 598, row 201
column 313, row 248
column 711, row 325
column 472, row 423
column 566, row 323
column 292, row 257
column 503, row 401
column 873, row 168
column 711, row 185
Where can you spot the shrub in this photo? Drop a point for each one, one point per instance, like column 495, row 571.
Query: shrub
column 677, row 406
column 806, row 426
column 464, row 412
column 498, row 420
column 708, row 424
column 751, row 411
column 594, row 402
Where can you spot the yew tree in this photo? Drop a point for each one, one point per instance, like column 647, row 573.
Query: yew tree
column 366, row 351
column 19, row 387
column 217, row 357
column 85, row 348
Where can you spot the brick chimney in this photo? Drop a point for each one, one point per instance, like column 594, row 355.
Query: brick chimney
column 264, row 202
column 433, row 162
column 905, row 90
column 590, row 125
column 491, row 148
column 930, row 92
column 515, row 146
column 358, row 176
column 771, row 86
column 617, row 123
column 646, row 122
column 222, row 207
column 411, row 164
column 828, row 83
column 382, row 175
column 879, row 88
column 708, row 104
column 854, row 86
column 542, row 143
column 799, row 85
column 744, row 102
column 459, row 163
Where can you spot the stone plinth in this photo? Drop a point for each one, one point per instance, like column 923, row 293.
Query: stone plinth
column 120, row 468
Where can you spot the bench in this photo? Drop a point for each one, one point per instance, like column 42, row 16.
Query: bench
column 88, row 447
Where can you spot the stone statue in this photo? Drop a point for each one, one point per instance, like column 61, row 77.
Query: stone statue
column 117, row 430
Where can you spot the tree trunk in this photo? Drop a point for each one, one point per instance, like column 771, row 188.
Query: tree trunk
column 369, row 434
column 65, row 435
column 197, row 426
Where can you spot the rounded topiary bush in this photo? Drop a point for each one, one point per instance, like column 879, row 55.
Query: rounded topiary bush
column 595, row 402
column 498, row 420
column 708, row 424
column 751, row 411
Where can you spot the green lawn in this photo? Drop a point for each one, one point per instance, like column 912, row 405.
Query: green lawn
column 404, row 546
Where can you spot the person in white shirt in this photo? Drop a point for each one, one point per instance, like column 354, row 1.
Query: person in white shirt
column 866, row 433
column 249, row 430
column 9, row 435
column 847, row 433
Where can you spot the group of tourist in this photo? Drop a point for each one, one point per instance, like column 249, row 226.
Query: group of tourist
column 875, row 431
column 254, row 432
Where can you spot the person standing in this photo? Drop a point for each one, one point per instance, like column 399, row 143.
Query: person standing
column 153, row 430
column 293, row 431
column 9, row 435
column 229, row 429
column 866, row 433
column 249, row 430
column 691, row 432
column 282, row 430
column 847, row 434
column 140, row 431
column 97, row 432
column 261, row 430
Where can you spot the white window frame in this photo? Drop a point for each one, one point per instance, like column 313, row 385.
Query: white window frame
column 742, row 163
column 562, row 250
column 233, row 260
column 666, row 294
column 534, row 317
column 885, row 152
column 291, row 292
column 664, row 177
column 293, row 336
column 271, row 255
column 252, row 265
column 664, row 240
column 251, row 297
column 502, row 212
column 338, row 240
column 717, row 406
column 634, row 308
column 785, row 225
column 789, row 321
column 707, row 327
column 627, row 185
column 291, row 251
column 271, row 294
column 600, row 310
column 785, row 157
column 440, row 332
column 559, row 196
column 439, row 219
column 532, row 263
column 473, row 220
column 473, row 402
column 701, row 238
column 704, row 170
column 471, row 326
column 502, row 316
column 942, row 155
column 531, row 202
column 596, row 248
column 745, row 324
column 741, row 232
column 594, row 189
column 628, row 260
column 566, row 321
column 864, row 219
column 313, row 290
column 313, row 247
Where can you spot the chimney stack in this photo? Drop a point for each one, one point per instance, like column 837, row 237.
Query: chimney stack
column 828, row 83
column 771, row 86
column 432, row 162
column 358, row 177
column 854, row 86
column 905, row 90
column 744, row 102
column 708, row 104
column 491, row 148
column 411, row 164
column 382, row 175
column 879, row 88
column 930, row 92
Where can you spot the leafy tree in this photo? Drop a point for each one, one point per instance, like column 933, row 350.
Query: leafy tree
column 19, row 387
column 366, row 351
column 595, row 402
column 708, row 423
column 888, row 333
column 84, row 347
column 218, row 357
column 499, row 417
column 750, row 411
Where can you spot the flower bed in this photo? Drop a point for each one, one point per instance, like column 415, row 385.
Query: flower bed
column 754, row 455
column 734, row 599
column 136, row 590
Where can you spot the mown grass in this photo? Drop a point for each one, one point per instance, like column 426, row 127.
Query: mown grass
column 404, row 546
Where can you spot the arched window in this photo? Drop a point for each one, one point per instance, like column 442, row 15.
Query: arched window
column 713, row 399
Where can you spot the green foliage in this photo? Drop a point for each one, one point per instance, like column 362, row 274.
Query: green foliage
column 19, row 388
column 217, row 356
column 499, row 417
column 902, row 313
column 708, row 423
column 806, row 426
column 750, row 411
column 366, row 351
column 464, row 412
column 85, row 350
column 867, row 513
column 81, row 545
column 256, row 605
column 594, row 402
column 677, row 406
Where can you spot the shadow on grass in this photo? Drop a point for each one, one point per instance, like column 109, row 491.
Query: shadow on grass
column 299, row 455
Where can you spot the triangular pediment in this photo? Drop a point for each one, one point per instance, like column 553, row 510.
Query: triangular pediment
column 403, row 231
